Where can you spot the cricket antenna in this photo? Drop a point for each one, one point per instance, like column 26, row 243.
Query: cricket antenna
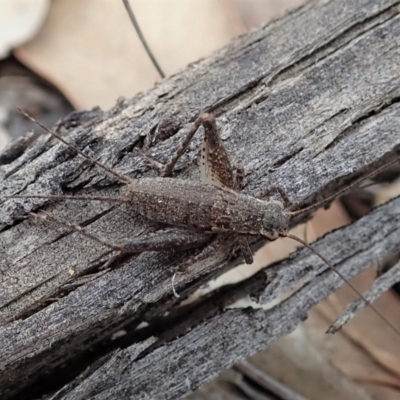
column 317, row 253
column 141, row 37
column 357, row 182
column 104, row 167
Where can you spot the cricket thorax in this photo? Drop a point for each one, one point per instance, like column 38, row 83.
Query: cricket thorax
column 235, row 212
column 275, row 221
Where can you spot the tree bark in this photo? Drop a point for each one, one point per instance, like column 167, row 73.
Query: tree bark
column 309, row 102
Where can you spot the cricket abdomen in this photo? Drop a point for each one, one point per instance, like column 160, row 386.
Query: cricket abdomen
column 174, row 202
column 196, row 205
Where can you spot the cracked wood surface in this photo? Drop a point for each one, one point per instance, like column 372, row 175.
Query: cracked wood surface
column 310, row 102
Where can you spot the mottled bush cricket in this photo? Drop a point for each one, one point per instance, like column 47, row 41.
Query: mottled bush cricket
column 198, row 212
column 222, row 179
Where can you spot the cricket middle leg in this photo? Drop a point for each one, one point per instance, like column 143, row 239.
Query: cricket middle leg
column 245, row 248
column 277, row 189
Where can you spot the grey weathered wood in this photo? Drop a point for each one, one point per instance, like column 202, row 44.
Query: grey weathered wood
column 309, row 102
column 380, row 286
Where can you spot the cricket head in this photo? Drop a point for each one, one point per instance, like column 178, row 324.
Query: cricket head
column 275, row 221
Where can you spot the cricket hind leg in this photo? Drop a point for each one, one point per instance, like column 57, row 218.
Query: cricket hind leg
column 164, row 240
column 209, row 125
column 176, row 238
column 216, row 168
column 159, row 241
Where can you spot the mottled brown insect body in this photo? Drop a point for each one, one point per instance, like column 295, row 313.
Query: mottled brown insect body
column 206, row 208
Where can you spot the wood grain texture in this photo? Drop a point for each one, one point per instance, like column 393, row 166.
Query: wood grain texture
column 310, row 102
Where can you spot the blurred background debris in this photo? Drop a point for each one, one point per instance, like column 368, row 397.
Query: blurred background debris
column 64, row 55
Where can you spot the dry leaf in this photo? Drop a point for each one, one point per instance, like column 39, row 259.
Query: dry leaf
column 91, row 52
column 19, row 22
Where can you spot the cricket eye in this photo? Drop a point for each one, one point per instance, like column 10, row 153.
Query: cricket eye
column 270, row 235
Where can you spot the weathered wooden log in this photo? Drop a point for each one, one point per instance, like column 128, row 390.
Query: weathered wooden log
column 309, row 102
